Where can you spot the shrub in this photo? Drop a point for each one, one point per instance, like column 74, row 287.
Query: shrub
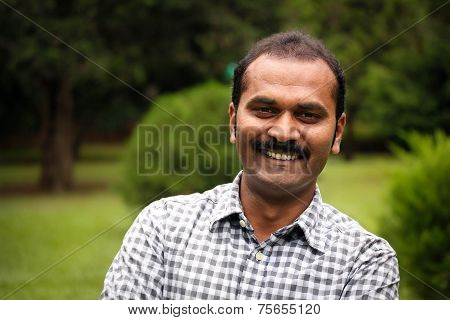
column 419, row 228
column 181, row 146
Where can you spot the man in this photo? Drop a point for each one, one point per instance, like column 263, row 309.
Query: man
column 266, row 235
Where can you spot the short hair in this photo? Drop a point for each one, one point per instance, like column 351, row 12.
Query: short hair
column 293, row 44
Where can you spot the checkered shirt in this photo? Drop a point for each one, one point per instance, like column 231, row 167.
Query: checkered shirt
column 201, row 246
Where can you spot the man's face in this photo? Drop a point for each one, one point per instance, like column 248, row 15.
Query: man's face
column 286, row 122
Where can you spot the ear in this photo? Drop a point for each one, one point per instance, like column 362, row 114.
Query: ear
column 336, row 147
column 232, row 113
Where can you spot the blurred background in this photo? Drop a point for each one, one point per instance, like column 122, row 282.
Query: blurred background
column 77, row 77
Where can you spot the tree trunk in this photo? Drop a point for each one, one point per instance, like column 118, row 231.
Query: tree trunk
column 57, row 135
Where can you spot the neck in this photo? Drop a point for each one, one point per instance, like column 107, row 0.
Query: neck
column 269, row 208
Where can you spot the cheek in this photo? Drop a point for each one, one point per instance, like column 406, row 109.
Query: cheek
column 320, row 139
column 319, row 142
column 248, row 130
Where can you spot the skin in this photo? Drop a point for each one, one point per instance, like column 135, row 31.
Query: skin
column 285, row 99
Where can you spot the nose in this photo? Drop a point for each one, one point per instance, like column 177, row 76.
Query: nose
column 285, row 128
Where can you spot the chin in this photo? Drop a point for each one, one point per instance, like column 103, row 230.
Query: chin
column 281, row 181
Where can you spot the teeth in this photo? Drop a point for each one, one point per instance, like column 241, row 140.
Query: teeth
column 281, row 156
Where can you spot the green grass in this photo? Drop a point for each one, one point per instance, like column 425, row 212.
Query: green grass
column 37, row 230
column 98, row 164
column 85, row 172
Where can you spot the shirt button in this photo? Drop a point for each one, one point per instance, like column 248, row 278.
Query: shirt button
column 259, row 256
column 242, row 223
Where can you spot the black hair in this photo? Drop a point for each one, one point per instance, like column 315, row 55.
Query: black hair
column 293, row 44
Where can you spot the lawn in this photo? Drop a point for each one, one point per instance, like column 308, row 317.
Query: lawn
column 37, row 230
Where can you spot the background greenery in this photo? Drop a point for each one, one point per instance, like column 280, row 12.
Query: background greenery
column 419, row 226
column 58, row 110
column 179, row 141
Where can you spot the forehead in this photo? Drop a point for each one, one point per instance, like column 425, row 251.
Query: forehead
column 290, row 76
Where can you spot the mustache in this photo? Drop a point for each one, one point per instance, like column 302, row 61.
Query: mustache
column 289, row 146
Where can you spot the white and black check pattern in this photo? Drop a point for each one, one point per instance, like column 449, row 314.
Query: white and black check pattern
column 201, row 246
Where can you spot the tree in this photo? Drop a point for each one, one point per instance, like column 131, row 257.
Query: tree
column 51, row 69
column 152, row 46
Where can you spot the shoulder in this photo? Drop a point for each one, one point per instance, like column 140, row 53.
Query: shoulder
column 349, row 233
column 371, row 263
column 190, row 201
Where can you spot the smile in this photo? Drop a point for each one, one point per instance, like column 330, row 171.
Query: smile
column 281, row 156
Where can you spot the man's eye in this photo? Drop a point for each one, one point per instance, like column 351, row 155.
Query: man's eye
column 307, row 115
column 266, row 110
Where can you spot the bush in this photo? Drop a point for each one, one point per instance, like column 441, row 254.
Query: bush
column 420, row 202
column 181, row 146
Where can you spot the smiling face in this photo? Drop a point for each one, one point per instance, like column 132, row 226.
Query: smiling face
column 286, row 123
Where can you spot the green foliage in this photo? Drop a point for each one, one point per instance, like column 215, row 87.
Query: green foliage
column 182, row 145
column 419, row 228
column 153, row 46
column 402, row 94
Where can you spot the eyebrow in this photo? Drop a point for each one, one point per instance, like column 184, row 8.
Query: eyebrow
column 262, row 99
column 313, row 106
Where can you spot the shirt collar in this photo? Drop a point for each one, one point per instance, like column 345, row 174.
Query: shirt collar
column 229, row 202
column 311, row 221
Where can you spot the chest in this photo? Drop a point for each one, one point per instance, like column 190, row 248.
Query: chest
column 230, row 265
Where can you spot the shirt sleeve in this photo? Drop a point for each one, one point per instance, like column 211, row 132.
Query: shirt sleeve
column 375, row 275
column 137, row 271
